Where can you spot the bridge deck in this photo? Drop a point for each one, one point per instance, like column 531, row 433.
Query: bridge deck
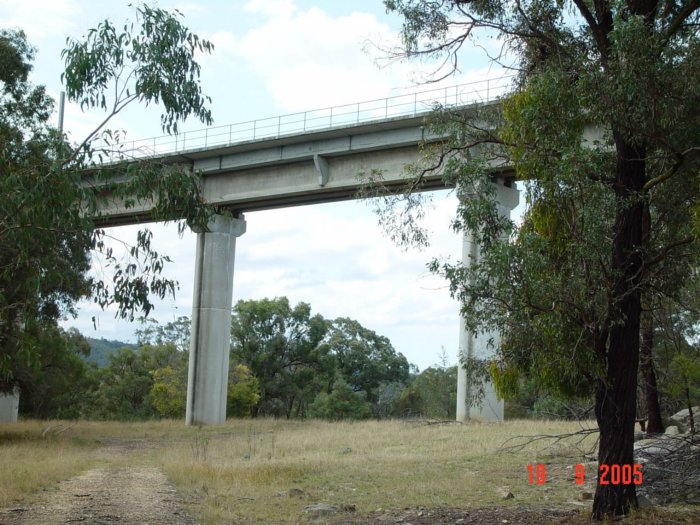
column 295, row 168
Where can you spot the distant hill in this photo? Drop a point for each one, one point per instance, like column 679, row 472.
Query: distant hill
column 101, row 349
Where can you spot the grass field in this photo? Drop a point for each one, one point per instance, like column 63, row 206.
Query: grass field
column 369, row 465
column 266, row 471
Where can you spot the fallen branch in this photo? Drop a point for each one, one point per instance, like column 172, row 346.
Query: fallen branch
column 55, row 430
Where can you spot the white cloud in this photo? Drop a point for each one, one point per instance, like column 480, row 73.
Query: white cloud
column 307, row 58
column 271, row 8
column 189, row 8
column 41, row 19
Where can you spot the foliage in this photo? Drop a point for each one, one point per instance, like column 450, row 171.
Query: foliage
column 437, row 387
column 53, row 194
column 552, row 407
column 153, row 62
column 343, row 402
column 169, row 389
column 410, row 403
column 432, row 393
column 282, row 347
column 296, row 356
column 364, row 358
column 101, row 349
column 176, row 332
column 127, row 382
column 59, row 383
column 604, row 126
column 387, row 396
column 676, row 343
column 686, row 368
column 243, row 392
column 42, row 263
column 150, row 381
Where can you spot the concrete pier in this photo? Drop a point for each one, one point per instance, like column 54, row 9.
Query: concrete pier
column 211, row 321
column 489, row 407
column 9, row 406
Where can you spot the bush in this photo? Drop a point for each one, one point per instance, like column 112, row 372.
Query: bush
column 554, row 407
column 341, row 403
column 243, row 392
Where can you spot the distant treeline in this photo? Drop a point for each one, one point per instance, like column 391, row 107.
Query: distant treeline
column 101, row 349
column 284, row 362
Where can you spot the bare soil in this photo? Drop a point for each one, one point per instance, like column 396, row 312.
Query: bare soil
column 516, row 515
column 106, row 495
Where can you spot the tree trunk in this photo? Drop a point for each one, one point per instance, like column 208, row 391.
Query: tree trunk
column 646, row 366
column 616, row 394
column 691, row 417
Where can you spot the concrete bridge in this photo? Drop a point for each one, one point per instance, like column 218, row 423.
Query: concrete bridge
column 298, row 159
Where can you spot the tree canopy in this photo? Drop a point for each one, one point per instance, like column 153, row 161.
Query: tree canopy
column 51, row 190
column 603, row 124
column 296, row 356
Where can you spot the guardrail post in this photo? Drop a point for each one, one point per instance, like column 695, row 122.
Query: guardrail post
column 230, row 133
column 255, row 122
column 206, row 137
column 330, row 123
column 305, row 112
column 279, row 125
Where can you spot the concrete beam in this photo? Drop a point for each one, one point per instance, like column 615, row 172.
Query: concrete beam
column 295, row 170
column 207, row 384
column 322, row 168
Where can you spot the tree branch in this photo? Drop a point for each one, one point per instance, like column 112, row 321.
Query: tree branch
column 681, row 17
column 669, row 248
column 681, row 156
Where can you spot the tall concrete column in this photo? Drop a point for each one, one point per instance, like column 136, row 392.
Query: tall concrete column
column 207, row 382
column 471, row 345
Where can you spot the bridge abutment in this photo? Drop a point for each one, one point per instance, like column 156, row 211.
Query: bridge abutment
column 210, row 339
column 476, row 346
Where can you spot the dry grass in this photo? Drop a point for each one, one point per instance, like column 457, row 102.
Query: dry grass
column 236, row 473
column 33, row 459
column 239, row 476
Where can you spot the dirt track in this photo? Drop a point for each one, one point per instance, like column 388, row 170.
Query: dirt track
column 138, row 495
column 111, row 494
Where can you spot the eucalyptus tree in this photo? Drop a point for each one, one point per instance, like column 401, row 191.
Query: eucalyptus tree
column 51, row 191
column 364, row 359
column 608, row 210
column 282, row 346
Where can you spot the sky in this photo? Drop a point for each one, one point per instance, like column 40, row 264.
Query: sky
column 274, row 57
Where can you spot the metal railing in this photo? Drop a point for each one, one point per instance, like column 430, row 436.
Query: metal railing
column 318, row 119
